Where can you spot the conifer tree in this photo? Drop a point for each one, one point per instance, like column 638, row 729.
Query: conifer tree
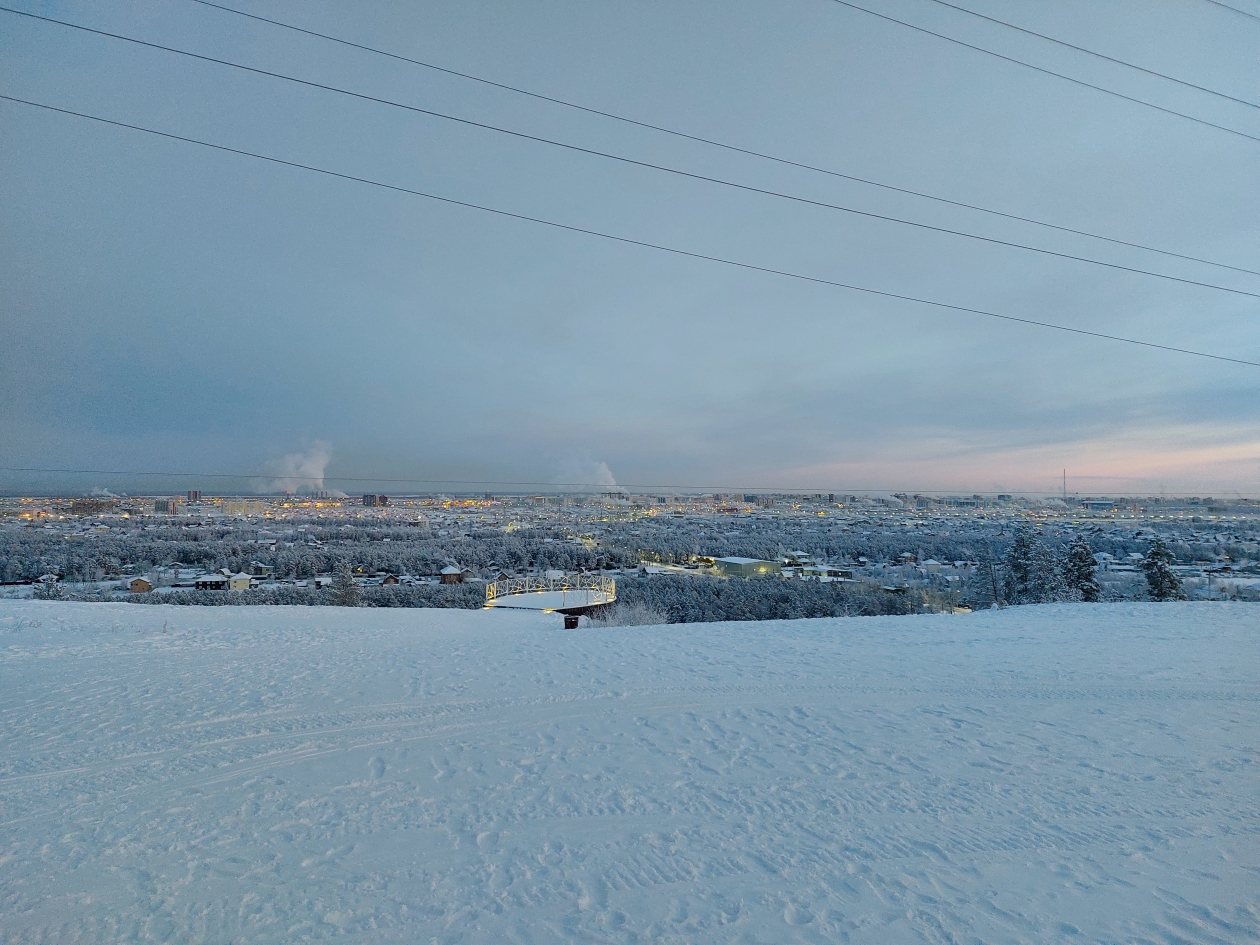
column 1032, row 571
column 49, row 590
column 1048, row 581
column 1163, row 583
column 1019, row 565
column 1032, row 575
column 346, row 593
column 1078, row 570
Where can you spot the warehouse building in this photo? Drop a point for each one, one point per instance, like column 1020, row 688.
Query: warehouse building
column 746, row 567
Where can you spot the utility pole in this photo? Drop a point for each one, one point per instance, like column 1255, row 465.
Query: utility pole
column 1065, row 487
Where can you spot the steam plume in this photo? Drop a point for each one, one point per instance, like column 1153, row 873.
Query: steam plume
column 591, row 474
column 299, row 472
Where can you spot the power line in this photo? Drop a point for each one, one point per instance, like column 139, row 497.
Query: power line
column 748, row 188
column 1217, row 3
column 605, row 487
column 631, row 242
column 1090, row 52
column 1050, row 72
column 718, row 144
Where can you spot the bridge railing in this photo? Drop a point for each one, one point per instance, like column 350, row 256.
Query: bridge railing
column 508, row 587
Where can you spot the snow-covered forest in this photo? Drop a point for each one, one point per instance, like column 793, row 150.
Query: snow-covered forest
column 993, row 558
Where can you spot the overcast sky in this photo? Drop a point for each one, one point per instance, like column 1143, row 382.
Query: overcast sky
column 168, row 307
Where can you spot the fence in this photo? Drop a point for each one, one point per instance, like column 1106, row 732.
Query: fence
column 600, row 586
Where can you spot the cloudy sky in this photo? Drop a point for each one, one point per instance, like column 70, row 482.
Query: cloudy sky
column 166, row 307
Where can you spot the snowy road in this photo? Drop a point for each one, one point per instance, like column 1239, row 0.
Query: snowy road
column 1069, row 773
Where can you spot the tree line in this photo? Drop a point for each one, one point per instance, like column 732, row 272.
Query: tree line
column 1036, row 571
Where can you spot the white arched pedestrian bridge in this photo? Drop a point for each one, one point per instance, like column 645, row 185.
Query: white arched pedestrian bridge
column 569, row 594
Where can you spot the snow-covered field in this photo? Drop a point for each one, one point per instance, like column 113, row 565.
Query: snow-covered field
column 1044, row 774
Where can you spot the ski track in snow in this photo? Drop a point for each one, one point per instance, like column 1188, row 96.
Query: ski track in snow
column 1065, row 773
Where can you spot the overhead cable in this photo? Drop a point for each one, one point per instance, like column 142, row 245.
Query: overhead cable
column 1217, row 3
column 719, row 144
column 1050, row 72
column 748, row 188
column 1090, row 52
column 634, row 242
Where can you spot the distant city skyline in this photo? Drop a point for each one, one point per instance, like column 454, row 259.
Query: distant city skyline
column 173, row 308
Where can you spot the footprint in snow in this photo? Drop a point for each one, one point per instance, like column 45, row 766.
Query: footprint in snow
column 797, row 915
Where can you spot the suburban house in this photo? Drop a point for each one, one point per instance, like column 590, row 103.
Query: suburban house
column 452, row 575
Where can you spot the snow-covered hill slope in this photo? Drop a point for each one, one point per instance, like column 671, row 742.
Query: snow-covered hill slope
column 1067, row 773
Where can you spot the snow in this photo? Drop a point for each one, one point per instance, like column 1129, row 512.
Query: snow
column 1066, row 773
column 551, row 600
